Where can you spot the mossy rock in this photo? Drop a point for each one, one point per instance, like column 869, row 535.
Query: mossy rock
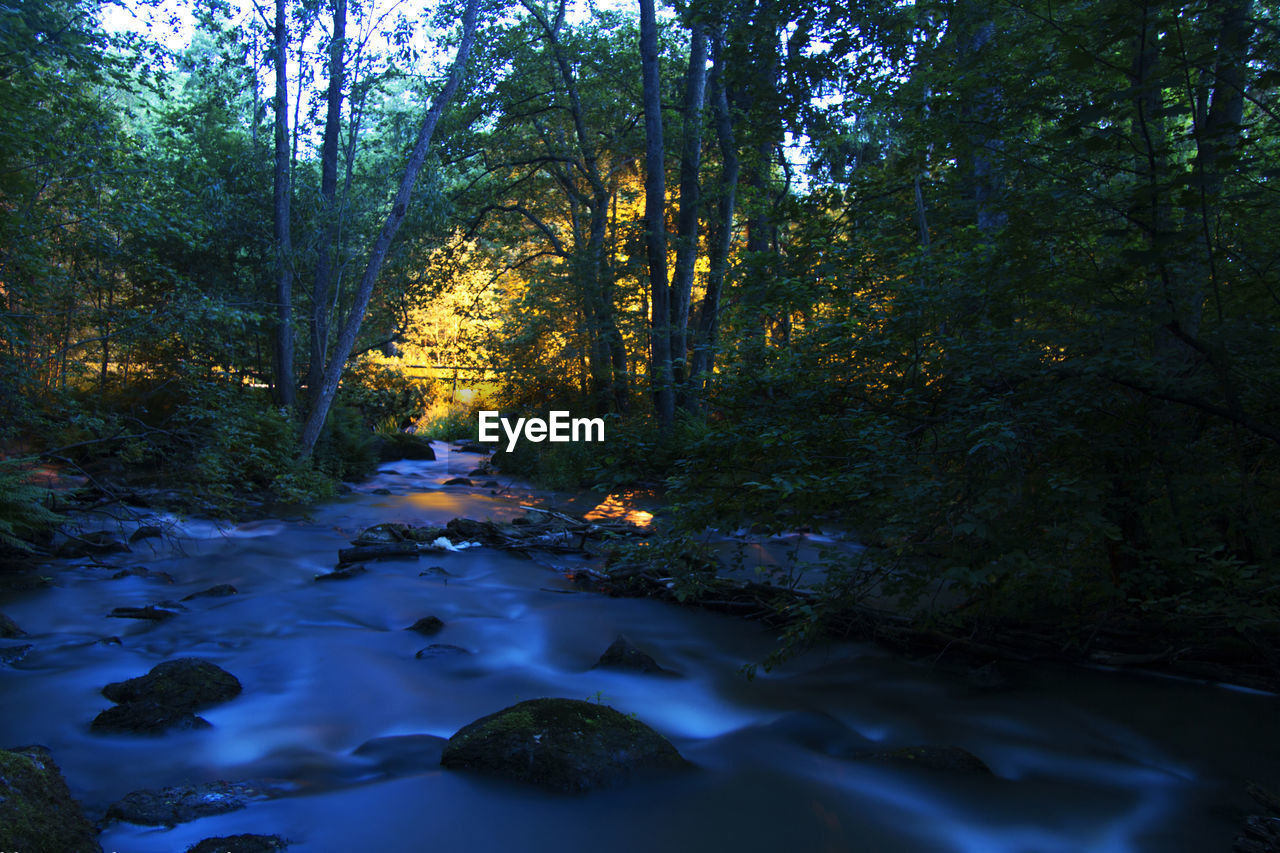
column 146, row 718
column 37, row 814
column 403, row 445
column 186, row 684
column 395, row 532
column 182, row 803
column 564, row 745
column 240, row 844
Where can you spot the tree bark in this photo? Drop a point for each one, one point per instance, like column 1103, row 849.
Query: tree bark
column 378, row 254
column 607, row 351
column 284, row 245
column 687, row 221
column 708, row 323
column 328, row 196
column 655, row 190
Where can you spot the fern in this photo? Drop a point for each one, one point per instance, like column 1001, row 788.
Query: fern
column 23, row 512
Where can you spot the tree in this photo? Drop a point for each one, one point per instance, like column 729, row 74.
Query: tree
column 322, row 398
column 323, row 287
column 655, row 194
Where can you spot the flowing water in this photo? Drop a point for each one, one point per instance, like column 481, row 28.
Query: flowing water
column 1082, row 760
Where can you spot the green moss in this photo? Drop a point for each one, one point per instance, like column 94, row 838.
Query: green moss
column 564, row 745
column 37, row 813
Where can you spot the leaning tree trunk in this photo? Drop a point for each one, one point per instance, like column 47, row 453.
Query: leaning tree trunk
column 323, row 399
column 284, row 245
column 655, row 190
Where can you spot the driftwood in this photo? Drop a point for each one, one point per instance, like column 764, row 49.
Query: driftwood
column 389, row 551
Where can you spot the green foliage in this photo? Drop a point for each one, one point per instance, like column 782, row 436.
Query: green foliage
column 24, row 513
column 345, row 450
column 385, row 395
column 450, row 424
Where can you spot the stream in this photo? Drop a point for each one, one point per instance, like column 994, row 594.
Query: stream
column 1082, row 760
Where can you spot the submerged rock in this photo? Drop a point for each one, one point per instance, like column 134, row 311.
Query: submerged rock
column 142, row 572
column 219, row 591
column 457, row 481
column 564, row 745
column 474, row 447
column 186, row 683
column 400, row 755
column 183, row 803
column 240, row 844
column 12, row 654
column 146, row 531
column 37, row 814
column 9, row 628
column 91, row 545
column 952, row 759
column 440, row 650
column 150, row 613
column 624, row 654
column 427, row 625
column 343, row 574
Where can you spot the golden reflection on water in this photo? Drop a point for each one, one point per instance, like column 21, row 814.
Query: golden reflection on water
column 613, row 509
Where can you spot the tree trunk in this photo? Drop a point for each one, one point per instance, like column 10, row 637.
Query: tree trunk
column 708, row 325
column 1221, row 134
column 284, row 245
column 655, row 190
column 687, row 223
column 328, row 196
column 378, row 254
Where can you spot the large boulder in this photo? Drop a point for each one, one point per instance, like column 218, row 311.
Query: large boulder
column 166, row 697
column 187, row 683
column 564, row 745
column 37, row 814
column 403, row 445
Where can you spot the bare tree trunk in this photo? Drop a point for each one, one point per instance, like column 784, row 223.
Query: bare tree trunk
column 655, row 191
column 323, row 399
column 708, row 325
column 328, row 195
column 284, row 244
column 687, row 223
